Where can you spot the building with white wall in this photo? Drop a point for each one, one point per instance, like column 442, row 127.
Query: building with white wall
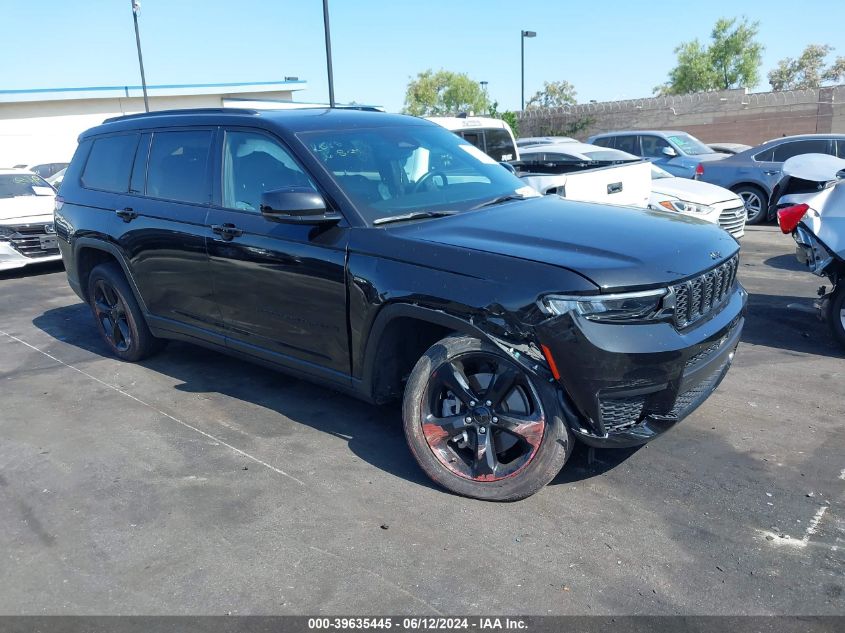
column 42, row 125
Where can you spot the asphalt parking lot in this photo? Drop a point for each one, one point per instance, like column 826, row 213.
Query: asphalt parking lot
column 193, row 483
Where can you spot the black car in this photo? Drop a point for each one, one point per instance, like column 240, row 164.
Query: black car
column 388, row 258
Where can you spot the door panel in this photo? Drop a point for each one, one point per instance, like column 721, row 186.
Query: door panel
column 280, row 287
column 165, row 238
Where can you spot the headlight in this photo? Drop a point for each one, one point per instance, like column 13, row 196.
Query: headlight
column 682, row 206
column 629, row 306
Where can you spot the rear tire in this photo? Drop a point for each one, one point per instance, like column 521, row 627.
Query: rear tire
column 756, row 203
column 836, row 313
column 502, row 451
column 119, row 319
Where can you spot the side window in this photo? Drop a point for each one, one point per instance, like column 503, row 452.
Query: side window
column 627, row 144
column 607, row 141
column 765, row 156
column 840, row 148
column 109, row 163
column 499, row 144
column 139, row 166
column 475, row 138
column 254, row 163
column 177, row 167
column 652, row 146
column 810, row 146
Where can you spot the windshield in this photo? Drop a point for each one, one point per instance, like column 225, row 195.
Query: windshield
column 15, row 185
column 690, row 145
column 388, row 171
column 657, row 173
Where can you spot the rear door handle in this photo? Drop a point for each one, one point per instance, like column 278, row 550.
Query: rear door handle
column 772, row 172
column 226, row 231
column 126, row 214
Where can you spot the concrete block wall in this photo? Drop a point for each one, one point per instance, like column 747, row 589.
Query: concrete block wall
column 727, row 115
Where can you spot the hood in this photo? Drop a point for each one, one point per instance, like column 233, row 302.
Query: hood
column 614, row 247
column 814, row 167
column 25, row 209
column 693, row 190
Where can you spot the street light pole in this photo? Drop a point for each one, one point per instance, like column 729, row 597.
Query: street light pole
column 522, row 36
column 328, row 51
column 136, row 8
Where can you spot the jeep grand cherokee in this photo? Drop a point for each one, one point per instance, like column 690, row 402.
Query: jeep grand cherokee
column 388, row 258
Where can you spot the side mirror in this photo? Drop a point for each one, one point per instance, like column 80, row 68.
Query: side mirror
column 669, row 151
column 508, row 166
column 299, row 205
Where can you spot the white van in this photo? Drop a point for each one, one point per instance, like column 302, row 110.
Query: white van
column 494, row 137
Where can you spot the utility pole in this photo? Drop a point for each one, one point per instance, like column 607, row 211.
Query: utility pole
column 328, row 51
column 136, row 9
column 522, row 36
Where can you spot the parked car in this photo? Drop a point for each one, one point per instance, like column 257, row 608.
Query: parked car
column 678, row 153
column 494, row 137
column 528, row 141
column 753, row 173
column 509, row 323
column 45, row 170
column 589, row 173
column 56, row 179
column 27, row 234
column 698, row 200
column 728, row 148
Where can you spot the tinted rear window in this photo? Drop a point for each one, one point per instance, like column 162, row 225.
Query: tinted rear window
column 177, row 167
column 110, row 162
column 795, row 148
column 499, row 144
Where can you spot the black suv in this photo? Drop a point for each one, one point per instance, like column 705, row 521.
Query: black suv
column 386, row 257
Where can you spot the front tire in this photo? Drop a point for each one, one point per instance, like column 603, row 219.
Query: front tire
column 756, row 203
column 119, row 319
column 479, row 425
column 836, row 314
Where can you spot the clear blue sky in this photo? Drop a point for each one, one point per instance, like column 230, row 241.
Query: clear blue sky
column 611, row 49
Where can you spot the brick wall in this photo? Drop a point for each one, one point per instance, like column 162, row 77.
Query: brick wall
column 727, row 115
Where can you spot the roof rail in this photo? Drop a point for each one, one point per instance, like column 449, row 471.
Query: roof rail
column 156, row 113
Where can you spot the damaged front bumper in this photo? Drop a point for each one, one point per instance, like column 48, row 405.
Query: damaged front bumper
column 629, row 383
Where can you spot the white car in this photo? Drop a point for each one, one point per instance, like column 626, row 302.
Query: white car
column 698, row 200
column 492, row 136
column 27, row 233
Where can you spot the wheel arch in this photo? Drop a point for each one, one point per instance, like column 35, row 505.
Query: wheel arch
column 90, row 252
column 400, row 335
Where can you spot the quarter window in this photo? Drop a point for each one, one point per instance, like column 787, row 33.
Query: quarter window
column 177, row 168
column 252, row 164
column 109, row 163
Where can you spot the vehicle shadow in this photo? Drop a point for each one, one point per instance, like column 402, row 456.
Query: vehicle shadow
column 32, row 270
column 373, row 433
column 785, row 262
column 770, row 321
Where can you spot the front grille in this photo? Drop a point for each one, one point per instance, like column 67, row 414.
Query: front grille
column 618, row 414
column 704, row 294
column 26, row 240
column 732, row 220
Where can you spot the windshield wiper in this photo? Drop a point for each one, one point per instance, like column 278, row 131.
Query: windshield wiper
column 506, row 198
column 414, row 215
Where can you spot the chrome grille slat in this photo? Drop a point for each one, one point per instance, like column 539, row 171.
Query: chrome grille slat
column 698, row 297
column 26, row 240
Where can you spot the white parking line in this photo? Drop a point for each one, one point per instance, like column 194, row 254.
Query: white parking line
column 784, row 539
column 842, row 474
column 159, row 411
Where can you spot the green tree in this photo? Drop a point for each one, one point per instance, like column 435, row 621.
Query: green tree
column 731, row 60
column 444, row 92
column 554, row 94
column 808, row 70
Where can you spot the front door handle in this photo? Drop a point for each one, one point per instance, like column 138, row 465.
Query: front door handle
column 226, row 231
column 126, row 214
column 772, row 172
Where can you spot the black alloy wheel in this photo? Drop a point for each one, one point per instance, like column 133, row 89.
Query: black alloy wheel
column 480, row 425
